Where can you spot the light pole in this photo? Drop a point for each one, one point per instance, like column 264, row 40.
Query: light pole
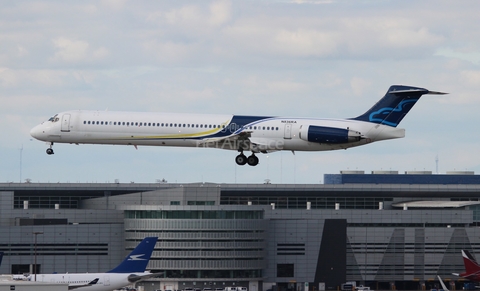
column 35, row 261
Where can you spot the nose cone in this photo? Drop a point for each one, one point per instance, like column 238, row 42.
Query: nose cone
column 37, row 132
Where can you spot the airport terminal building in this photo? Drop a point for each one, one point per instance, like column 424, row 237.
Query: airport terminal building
column 384, row 230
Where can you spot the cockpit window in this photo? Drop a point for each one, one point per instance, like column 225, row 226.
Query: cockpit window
column 54, row 118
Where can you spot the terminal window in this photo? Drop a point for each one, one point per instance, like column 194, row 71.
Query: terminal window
column 285, row 270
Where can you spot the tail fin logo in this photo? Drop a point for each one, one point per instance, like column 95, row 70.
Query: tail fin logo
column 136, row 257
column 380, row 116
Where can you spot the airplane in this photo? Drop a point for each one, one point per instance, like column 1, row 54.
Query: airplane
column 130, row 270
column 472, row 268
column 258, row 134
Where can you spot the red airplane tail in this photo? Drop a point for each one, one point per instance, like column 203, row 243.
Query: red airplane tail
column 472, row 268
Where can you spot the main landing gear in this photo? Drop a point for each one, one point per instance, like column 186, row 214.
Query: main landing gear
column 50, row 150
column 241, row 160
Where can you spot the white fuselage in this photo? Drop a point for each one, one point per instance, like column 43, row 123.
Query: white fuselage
column 201, row 130
column 106, row 281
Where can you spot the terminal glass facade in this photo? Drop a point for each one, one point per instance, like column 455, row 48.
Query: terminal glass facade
column 202, row 244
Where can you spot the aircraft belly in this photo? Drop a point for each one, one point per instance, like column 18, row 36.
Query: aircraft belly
column 124, row 139
column 301, row 145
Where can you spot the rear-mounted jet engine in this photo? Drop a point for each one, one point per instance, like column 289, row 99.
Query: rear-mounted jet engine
column 323, row 134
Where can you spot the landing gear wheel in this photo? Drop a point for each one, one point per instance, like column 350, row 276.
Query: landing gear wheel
column 241, row 159
column 252, row 160
column 49, row 151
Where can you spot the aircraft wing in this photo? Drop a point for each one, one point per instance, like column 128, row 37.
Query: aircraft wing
column 244, row 140
column 239, row 135
column 91, row 283
column 135, row 278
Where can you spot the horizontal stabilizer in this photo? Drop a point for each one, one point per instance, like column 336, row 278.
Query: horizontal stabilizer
column 135, row 278
column 422, row 91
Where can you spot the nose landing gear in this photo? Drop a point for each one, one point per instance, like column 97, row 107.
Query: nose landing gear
column 50, row 150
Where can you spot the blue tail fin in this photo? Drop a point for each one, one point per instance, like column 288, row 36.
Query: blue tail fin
column 137, row 260
column 393, row 107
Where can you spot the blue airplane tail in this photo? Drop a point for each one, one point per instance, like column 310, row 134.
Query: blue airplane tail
column 396, row 103
column 137, row 260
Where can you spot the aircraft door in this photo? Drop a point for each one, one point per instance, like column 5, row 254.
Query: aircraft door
column 66, row 122
column 106, row 281
column 233, row 127
column 288, row 131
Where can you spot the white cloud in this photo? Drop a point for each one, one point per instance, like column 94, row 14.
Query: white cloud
column 101, row 53
column 304, row 43
column 471, row 77
column 114, row 4
column 8, row 77
column 220, row 12
column 359, row 85
column 186, row 15
column 169, row 52
column 70, row 50
column 77, row 51
column 21, row 51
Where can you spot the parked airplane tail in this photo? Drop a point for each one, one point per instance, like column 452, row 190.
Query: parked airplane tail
column 137, row 260
column 396, row 103
column 444, row 287
column 472, row 268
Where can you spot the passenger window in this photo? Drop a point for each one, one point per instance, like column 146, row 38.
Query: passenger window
column 263, row 128
column 201, row 125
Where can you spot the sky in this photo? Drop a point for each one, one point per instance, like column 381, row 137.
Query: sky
column 327, row 59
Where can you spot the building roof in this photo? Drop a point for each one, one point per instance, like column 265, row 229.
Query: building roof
column 435, row 204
